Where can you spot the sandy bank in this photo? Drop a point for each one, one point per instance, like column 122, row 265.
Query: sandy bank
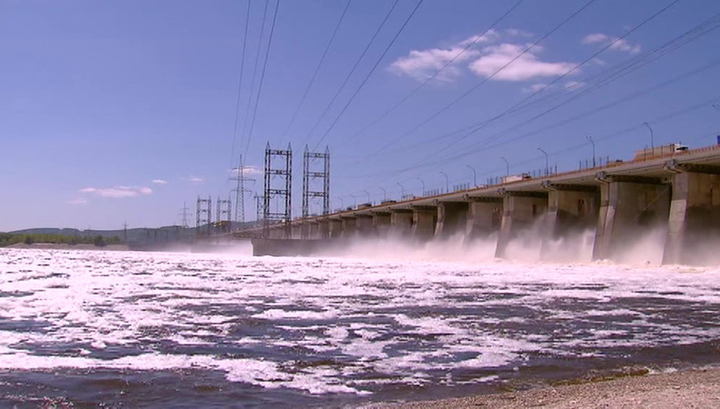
column 687, row 389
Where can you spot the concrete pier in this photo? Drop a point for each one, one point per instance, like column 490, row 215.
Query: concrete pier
column 520, row 210
column 381, row 223
column 364, row 225
column 694, row 221
column 451, row 218
column 484, row 217
column 571, row 209
column 630, row 207
column 423, row 218
column 335, row 227
column 401, row 222
column 349, row 227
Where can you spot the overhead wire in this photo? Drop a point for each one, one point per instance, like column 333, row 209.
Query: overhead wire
column 476, row 86
column 436, row 73
column 239, row 91
column 377, row 62
column 262, row 77
column 317, row 69
column 347, row 77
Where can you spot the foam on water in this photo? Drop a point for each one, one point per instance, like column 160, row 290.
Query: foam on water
column 337, row 325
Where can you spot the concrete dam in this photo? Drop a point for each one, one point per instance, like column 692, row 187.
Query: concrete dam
column 664, row 187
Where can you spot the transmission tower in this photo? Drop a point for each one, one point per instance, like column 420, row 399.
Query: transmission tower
column 184, row 214
column 284, row 212
column 203, row 216
column 223, row 215
column 240, row 192
column 259, row 204
column 309, row 176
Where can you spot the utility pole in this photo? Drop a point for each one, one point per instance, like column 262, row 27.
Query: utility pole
column 592, row 141
column 547, row 165
column 240, row 191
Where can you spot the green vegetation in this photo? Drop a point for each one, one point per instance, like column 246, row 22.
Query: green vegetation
column 8, row 239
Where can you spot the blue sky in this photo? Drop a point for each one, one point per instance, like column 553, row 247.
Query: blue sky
column 122, row 110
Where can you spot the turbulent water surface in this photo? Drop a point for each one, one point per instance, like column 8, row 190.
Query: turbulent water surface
column 92, row 328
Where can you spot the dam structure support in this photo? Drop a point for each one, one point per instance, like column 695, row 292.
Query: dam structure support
column 667, row 191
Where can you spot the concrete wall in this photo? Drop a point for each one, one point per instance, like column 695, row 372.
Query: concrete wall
column 628, row 210
column 401, row 222
column 483, row 218
column 335, row 228
column 424, row 220
column 451, row 218
column 349, row 226
column 571, row 211
column 694, row 221
column 381, row 224
column 519, row 212
column 364, row 226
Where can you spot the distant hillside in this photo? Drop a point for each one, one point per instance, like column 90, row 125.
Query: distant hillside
column 142, row 235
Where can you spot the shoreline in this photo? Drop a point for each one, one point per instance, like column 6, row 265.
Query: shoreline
column 693, row 388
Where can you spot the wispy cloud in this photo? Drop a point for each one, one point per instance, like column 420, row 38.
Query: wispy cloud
column 160, row 181
column 526, row 67
column 536, row 87
column 615, row 42
column 573, row 85
column 193, row 179
column 77, row 201
column 117, row 191
column 248, row 171
column 484, row 58
column 422, row 64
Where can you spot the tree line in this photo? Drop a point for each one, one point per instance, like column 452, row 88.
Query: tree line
column 8, row 239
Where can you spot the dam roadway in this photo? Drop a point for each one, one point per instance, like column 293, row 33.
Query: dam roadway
column 676, row 190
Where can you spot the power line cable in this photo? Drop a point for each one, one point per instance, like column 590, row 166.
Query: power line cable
column 239, row 93
column 327, row 108
column 476, row 86
column 317, row 69
column 332, row 125
column 447, row 64
column 262, row 76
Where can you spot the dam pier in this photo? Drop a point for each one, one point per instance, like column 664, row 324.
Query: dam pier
column 669, row 188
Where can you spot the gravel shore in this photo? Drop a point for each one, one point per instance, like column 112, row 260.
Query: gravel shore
column 686, row 389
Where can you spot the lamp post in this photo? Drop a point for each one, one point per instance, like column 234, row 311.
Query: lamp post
column 507, row 166
column 342, row 205
column 368, row 196
column 384, row 193
column 423, row 186
column 474, row 175
column 447, row 182
column 589, row 138
column 354, row 201
column 652, row 137
column 402, row 191
column 547, row 164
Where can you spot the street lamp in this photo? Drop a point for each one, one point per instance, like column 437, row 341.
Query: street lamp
column 507, row 166
column 423, row 186
column 589, row 138
column 402, row 191
column 342, row 205
column 547, row 165
column 368, row 196
column 447, row 182
column 474, row 175
column 384, row 193
column 354, row 201
column 652, row 137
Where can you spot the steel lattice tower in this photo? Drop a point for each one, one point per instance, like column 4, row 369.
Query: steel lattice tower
column 284, row 214
column 240, row 192
column 308, row 177
column 203, row 216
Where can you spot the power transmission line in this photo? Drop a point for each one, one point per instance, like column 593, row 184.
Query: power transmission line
column 262, row 77
column 367, row 47
column 447, row 64
column 317, row 69
column 242, row 68
column 332, row 125
column 476, row 86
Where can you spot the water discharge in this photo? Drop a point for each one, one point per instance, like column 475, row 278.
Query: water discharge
column 386, row 320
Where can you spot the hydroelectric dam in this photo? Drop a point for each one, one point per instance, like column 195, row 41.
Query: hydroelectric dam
column 668, row 188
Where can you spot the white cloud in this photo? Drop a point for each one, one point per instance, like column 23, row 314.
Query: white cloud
column 536, row 87
column 484, row 58
column 573, row 85
column 421, row 65
column 77, row 201
column 248, row 171
column 117, row 191
column 195, row 179
column 160, row 181
column 614, row 42
column 526, row 67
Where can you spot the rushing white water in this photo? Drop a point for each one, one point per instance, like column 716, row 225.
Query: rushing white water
column 339, row 325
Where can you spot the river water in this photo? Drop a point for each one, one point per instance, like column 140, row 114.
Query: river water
column 125, row 329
